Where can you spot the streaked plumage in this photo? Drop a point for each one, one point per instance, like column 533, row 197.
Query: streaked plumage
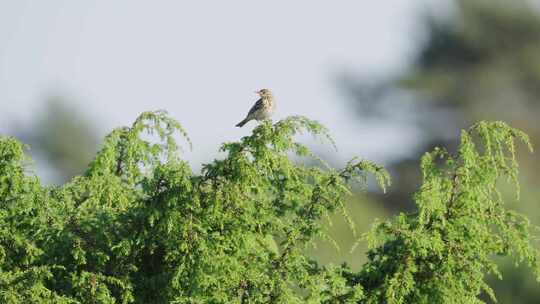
column 262, row 109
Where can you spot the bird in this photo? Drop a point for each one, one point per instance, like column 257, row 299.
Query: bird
column 262, row 109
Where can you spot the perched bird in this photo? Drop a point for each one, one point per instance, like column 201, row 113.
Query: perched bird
column 262, row 109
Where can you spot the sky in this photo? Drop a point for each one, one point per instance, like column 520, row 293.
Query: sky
column 203, row 60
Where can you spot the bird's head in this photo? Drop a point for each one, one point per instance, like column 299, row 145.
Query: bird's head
column 264, row 92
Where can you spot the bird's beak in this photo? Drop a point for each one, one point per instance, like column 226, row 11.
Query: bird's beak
column 257, row 92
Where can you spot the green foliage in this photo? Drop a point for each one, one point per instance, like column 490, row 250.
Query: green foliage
column 140, row 227
column 441, row 253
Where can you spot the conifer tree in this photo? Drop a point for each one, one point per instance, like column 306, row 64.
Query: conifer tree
column 141, row 227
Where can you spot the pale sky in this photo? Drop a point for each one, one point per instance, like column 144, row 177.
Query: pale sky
column 202, row 60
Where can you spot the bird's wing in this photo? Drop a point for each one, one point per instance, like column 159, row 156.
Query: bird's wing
column 256, row 107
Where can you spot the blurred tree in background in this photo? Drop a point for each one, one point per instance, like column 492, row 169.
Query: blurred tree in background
column 482, row 63
column 61, row 135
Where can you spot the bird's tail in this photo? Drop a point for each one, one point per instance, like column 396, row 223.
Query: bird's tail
column 242, row 123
